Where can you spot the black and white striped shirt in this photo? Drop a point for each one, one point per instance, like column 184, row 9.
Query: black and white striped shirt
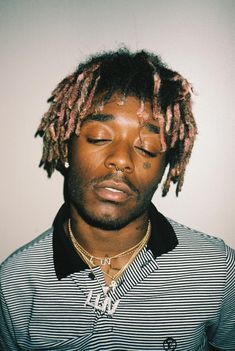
column 178, row 294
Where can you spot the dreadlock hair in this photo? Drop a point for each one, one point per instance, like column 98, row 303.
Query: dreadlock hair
column 139, row 74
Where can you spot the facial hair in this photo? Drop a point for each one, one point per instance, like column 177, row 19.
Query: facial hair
column 76, row 187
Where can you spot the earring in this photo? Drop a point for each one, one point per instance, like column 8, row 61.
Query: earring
column 66, row 164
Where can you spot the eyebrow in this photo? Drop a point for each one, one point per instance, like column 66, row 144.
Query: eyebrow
column 152, row 128
column 101, row 117
column 97, row 118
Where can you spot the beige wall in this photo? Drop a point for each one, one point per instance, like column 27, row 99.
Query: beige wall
column 42, row 40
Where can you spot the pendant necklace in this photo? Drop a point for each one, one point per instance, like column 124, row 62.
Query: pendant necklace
column 103, row 260
column 106, row 306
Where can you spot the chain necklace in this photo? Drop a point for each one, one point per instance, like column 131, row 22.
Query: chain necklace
column 106, row 305
column 103, row 260
column 134, row 250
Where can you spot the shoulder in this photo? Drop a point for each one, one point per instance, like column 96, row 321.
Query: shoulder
column 29, row 258
column 197, row 244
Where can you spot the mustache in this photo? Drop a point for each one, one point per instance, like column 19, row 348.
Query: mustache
column 117, row 178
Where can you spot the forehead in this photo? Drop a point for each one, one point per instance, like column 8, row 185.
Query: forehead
column 131, row 110
column 130, row 106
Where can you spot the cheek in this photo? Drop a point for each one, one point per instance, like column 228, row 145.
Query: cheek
column 83, row 161
column 151, row 173
column 155, row 168
column 86, row 166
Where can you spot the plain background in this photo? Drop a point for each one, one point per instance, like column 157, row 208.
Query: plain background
column 42, row 41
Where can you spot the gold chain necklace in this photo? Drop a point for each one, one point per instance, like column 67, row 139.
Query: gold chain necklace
column 142, row 245
column 84, row 254
column 103, row 260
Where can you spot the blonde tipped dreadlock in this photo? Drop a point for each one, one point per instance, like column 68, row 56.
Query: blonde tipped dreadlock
column 70, row 102
column 138, row 74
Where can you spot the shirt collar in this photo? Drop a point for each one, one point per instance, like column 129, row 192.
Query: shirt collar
column 66, row 261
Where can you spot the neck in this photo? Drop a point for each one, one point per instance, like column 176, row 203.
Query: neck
column 100, row 242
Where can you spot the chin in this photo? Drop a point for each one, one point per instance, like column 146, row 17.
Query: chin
column 110, row 220
column 106, row 222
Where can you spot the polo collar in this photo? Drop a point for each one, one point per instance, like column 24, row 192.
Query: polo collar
column 66, row 261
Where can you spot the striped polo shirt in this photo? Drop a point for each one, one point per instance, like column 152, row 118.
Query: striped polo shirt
column 178, row 294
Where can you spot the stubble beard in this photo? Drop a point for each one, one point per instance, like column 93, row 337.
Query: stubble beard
column 76, row 189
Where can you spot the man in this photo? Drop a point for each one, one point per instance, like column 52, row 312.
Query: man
column 113, row 273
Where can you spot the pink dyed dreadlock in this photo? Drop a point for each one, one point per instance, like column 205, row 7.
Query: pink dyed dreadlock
column 142, row 75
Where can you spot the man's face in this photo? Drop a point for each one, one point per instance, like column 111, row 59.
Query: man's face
column 116, row 165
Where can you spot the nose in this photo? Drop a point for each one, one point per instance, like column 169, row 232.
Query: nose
column 120, row 158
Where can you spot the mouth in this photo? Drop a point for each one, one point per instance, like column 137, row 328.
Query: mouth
column 110, row 190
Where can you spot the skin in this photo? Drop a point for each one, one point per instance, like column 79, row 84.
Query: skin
column 116, row 165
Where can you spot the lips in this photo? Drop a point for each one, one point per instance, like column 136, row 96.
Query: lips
column 116, row 191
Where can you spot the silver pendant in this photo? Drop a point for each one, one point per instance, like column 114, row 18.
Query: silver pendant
column 105, row 289
column 106, row 306
column 112, row 286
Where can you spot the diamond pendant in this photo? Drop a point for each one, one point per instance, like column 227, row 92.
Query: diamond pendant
column 112, row 287
column 105, row 306
column 105, row 289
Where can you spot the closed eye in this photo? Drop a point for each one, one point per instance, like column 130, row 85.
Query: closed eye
column 97, row 141
column 146, row 152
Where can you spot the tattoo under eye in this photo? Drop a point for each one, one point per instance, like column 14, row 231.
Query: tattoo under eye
column 146, row 165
